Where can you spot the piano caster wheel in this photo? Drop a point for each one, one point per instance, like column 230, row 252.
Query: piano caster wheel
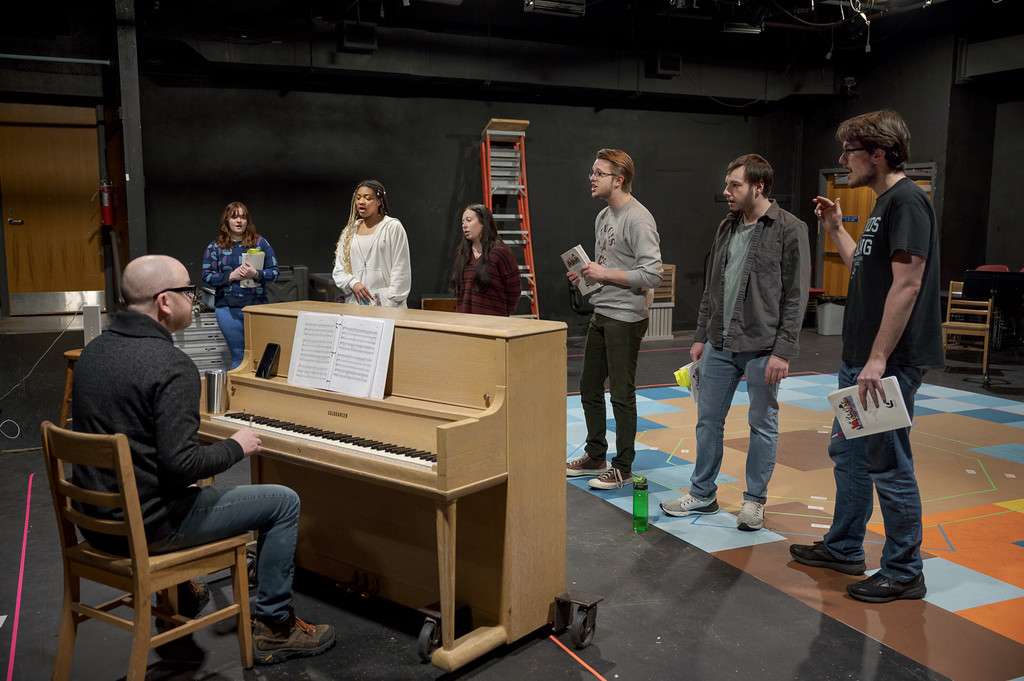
column 430, row 638
column 584, row 622
column 577, row 612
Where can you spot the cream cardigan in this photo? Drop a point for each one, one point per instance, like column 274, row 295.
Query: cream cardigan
column 380, row 261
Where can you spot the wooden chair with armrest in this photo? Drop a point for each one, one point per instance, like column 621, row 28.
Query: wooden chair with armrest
column 139, row 574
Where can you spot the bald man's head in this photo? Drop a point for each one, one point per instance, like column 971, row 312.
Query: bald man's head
column 147, row 275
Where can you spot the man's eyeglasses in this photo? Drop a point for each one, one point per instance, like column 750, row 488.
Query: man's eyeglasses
column 599, row 173
column 849, row 150
column 191, row 292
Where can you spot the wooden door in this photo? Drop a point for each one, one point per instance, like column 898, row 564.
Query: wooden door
column 857, row 204
column 49, row 175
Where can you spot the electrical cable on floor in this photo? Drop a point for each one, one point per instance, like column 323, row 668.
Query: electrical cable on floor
column 24, row 450
column 26, row 376
column 17, row 429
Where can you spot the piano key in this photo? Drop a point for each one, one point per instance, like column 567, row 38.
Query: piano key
column 330, row 438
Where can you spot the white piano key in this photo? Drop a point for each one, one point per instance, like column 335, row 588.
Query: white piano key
column 348, row 447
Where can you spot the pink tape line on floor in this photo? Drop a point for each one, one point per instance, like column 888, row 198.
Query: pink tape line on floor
column 21, row 581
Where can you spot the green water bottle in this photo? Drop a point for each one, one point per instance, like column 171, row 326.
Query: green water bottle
column 639, row 504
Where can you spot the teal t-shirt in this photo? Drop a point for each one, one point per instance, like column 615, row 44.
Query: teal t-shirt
column 738, row 245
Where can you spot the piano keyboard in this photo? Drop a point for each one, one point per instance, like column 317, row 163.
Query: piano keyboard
column 326, row 437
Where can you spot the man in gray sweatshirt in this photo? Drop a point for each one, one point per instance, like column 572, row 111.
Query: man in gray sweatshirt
column 627, row 260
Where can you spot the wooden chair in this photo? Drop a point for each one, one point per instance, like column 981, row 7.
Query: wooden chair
column 966, row 317
column 662, row 302
column 139, row 574
column 71, row 356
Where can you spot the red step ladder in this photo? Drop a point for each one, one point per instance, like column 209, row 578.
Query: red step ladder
column 503, row 169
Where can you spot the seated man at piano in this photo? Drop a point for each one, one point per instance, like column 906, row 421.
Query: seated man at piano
column 132, row 380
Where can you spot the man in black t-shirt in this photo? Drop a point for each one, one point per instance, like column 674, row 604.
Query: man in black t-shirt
column 892, row 328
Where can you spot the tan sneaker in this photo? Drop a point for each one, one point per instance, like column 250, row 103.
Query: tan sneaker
column 273, row 643
column 585, row 465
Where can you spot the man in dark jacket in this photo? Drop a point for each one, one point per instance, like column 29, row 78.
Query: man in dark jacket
column 749, row 324
column 133, row 380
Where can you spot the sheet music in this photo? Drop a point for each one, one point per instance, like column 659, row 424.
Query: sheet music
column 362, row 356
column 313, row 349
column 345, row 354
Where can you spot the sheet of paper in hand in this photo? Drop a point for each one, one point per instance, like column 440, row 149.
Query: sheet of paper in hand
column 857, row 421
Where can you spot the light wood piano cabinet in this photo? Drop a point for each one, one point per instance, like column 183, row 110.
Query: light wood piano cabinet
column 483, row 525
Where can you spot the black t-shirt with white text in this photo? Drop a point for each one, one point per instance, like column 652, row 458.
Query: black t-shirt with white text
column 902, row 220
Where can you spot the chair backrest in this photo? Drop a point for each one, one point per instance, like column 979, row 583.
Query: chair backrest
column 666, row 290
column 992, row 268
column 970, row 311
column 956, row 290
column 107, row 452
column 439, row 304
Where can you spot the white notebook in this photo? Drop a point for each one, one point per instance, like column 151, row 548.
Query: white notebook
column 574, row 260
column 858, row 421
column 256, row 260
column 343, row 353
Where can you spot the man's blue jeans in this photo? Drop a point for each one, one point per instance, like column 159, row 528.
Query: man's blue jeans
column 231, row 323
column 271, row 510
column 884, row 459
column 720, row 373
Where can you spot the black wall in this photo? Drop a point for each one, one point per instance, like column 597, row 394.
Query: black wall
column 1006, row 206
column 914, row 79
column 967, row 184
column 294, row 159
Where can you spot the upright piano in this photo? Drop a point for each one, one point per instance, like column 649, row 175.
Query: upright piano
column 449, row 490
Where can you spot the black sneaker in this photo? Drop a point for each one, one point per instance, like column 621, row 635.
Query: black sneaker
column 881, row 589
column 816, row 555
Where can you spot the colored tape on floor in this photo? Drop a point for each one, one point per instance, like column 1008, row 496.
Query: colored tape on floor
column 577, row 658
column 21, row 580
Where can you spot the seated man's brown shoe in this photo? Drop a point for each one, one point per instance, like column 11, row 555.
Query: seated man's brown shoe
column 273, row 642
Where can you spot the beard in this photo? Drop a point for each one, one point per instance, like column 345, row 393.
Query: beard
column 864, row 179
column 744, row 205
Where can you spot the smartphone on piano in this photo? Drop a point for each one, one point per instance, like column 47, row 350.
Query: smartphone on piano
column 268, row 362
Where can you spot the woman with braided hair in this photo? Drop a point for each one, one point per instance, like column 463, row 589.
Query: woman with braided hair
column 371, row 262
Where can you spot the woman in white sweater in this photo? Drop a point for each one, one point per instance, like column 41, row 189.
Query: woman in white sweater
column 371, row 262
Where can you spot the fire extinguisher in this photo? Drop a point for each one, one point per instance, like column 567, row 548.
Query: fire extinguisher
column 106, row 204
